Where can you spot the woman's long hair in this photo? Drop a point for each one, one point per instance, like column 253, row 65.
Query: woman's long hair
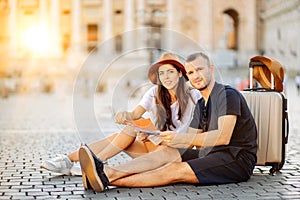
column 163, row 101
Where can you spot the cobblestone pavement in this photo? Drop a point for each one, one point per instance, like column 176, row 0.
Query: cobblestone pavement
column 38, row 126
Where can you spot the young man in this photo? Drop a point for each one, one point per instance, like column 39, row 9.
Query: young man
column 222, row 129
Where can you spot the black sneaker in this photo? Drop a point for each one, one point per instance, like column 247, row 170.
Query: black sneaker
column 92, row 170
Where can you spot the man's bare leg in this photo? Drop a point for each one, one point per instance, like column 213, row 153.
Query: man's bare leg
column 152, row 160
column 168, row 174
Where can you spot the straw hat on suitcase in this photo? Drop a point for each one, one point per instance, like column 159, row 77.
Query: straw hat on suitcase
column 263, row 74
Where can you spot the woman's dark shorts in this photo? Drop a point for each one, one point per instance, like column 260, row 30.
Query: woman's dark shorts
column 219, row 167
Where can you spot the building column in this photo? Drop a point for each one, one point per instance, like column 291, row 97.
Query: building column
column 170, row 26
column 108, row 21
column 141, row 32
column 55, row 33
column 13, row 29
column 76, row 19
column 128, row 40
column 108, row 25
column 76, row 52
column 205, row 27
column 43, row 12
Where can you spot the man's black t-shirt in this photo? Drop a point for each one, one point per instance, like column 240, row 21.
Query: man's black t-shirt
column 225, row 100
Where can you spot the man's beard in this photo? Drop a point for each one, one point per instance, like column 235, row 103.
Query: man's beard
column 203, row 88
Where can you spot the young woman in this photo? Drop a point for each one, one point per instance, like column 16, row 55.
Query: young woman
column 170, row 102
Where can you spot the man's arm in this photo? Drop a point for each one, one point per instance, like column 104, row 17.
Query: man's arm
column 196, row 137
column 218, row 137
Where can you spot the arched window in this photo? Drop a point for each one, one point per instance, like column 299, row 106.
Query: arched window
column 230, row 18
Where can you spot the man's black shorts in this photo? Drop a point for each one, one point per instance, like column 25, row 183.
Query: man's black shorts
column 219, row 167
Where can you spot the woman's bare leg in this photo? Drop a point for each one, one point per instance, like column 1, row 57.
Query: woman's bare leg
column 96, row 146
column 139, row 148
column 114, row 144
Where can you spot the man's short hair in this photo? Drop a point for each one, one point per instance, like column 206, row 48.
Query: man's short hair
column 193, row 57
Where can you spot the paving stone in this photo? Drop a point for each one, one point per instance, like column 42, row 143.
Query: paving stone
column 269, row 197
column 73, row 197
column 21, row 197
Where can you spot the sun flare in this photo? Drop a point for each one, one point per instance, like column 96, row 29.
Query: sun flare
column 37, row 40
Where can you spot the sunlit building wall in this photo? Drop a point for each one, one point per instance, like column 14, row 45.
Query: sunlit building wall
column 42, row 37
column 54, row 28
column 282, row 29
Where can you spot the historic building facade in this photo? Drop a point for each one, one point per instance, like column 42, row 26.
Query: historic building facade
column 281, row 32
column 233, row 31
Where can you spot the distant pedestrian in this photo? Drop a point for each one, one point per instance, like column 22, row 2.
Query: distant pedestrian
column 297, row 80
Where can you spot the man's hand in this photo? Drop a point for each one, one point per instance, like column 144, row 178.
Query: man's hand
column 175, row 140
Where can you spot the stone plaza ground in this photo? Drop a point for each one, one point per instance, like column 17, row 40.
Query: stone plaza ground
column 35, row 127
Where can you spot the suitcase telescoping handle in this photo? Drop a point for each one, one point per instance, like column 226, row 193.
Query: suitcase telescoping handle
column 251, row 66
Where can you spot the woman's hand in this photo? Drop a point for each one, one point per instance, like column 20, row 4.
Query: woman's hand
column 121, row 117
column 142, row 136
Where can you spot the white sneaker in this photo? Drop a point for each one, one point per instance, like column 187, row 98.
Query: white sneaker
column 76, row 169
column 60, row 164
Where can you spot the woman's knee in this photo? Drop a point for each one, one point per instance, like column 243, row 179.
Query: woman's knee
column 169, row 153
column 129, row 130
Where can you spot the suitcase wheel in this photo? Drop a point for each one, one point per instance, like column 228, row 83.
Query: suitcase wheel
column 276, row 167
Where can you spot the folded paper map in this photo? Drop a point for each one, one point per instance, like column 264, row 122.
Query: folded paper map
column 144, row 125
